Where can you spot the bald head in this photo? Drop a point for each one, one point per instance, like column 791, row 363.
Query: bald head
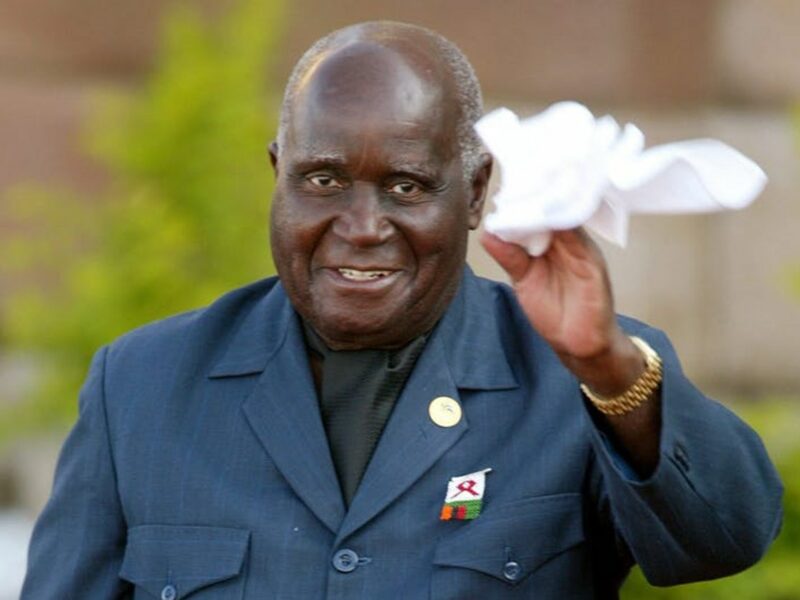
column 392, row 65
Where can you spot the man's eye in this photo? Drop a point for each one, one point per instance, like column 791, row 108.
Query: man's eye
column 406, row 188
column 324, row 180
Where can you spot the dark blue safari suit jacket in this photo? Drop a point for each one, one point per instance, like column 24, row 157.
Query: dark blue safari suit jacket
column 199, row 468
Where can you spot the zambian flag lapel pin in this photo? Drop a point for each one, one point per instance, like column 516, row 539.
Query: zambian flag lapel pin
column 464, row 496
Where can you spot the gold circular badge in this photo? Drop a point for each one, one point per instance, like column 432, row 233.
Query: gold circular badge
column 444, row 411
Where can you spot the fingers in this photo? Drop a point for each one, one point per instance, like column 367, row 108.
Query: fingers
column 575, row 247
column 583, row 256
column 513, row 258
column 575, row 242
column 572, row 249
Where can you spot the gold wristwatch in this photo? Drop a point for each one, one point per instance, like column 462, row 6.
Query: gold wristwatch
column 638, row 393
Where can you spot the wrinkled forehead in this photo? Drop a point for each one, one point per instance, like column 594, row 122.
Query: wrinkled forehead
column 366, row 86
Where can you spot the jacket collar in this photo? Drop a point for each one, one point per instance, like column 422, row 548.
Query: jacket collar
column 468, row 331
column 470, row 336
column 258, row 335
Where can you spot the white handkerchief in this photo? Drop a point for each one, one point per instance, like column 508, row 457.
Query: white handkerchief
column 563, row 168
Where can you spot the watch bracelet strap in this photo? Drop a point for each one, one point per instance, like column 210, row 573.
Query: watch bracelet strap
column 638, row 393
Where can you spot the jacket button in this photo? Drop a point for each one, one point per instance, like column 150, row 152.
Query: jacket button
column 345, row 561
column 512, row 570
column 169, row 593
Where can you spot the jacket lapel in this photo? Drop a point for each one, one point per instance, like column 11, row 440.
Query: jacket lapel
column 282, row 409
column 464, row 351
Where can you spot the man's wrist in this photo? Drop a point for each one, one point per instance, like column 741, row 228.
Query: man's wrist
column 612, row 371
column 638, row 393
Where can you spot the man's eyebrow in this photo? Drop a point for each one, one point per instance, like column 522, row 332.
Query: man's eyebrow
column 418, row 169
column 318, row 160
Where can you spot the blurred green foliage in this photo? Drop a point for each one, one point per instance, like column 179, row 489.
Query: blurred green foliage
column 184, row 218
column 777, row 576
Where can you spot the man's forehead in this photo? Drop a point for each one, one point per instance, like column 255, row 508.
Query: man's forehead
column 420, row 154
column 366, row 89
column 370, row 80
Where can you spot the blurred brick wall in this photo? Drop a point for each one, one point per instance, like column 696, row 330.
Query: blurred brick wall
column 683, row 68
column 595, row 50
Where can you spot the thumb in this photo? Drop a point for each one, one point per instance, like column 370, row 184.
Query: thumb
column 513, row 258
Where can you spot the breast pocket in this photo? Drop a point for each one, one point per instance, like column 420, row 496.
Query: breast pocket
column 512, row 551
column 172, row 562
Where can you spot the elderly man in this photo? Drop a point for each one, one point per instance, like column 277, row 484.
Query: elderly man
column 378, row 422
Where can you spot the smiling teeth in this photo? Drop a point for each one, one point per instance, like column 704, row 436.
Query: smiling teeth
column 356, row 275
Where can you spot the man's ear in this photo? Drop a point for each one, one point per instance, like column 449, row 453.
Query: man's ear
column 480, row 184
column 273, row 156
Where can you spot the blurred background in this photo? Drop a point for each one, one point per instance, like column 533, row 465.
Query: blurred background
column 134, row 183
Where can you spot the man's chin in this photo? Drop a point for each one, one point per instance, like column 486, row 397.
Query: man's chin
column 346, row 332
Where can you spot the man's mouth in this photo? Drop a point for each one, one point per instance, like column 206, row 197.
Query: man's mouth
column 359, row 275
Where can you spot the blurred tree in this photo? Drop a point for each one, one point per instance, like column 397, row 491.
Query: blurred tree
column 186, row 214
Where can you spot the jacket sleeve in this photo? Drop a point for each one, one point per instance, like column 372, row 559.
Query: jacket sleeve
column 712, row 506
column 79, row 539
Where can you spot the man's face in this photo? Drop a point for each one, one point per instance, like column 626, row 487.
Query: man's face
column 371, row 211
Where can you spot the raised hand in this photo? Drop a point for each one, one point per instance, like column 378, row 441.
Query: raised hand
column 566, row 294
column 567, row 297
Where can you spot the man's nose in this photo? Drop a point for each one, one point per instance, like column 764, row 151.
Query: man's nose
column 363, row 221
